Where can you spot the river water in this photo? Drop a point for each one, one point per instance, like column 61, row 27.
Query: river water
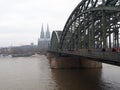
column 34, row 73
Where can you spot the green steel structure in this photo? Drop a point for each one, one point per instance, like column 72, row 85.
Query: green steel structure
column 92, row 24
column 92, row 31
column 55, row 40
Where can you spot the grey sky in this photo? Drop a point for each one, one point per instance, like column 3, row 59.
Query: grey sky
column 21, row 20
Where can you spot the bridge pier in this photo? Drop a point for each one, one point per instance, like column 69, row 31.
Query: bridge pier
column 68, row 62
column 87, row 63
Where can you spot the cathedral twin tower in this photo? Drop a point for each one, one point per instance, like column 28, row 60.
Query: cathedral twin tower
column 43, row 35
column 44, row 39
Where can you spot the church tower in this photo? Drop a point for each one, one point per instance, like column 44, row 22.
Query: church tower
column 42, row 33
column 47, row 32
column 44, row 39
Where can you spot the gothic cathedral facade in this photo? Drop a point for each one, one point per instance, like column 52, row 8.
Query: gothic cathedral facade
column 44, row 39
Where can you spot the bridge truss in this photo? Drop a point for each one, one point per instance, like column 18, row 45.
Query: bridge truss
column 93, row 24
column 91, row 31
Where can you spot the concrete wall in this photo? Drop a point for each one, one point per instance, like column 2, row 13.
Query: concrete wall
column 65, row 62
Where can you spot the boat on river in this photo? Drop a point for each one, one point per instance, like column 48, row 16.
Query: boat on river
column 22, row 55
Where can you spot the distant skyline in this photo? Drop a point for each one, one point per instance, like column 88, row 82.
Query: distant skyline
column 21, row 20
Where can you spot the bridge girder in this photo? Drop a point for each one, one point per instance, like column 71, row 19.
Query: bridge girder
column 92, row 24
column 55, row 39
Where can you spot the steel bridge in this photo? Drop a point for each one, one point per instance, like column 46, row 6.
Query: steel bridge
column 92, row 31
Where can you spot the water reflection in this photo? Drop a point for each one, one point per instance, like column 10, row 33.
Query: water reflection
column 77, row 79
column 25, row 73
column 34, row 73
column 84, row 79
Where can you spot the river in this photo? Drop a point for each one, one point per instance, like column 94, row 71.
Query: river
column 34, row 73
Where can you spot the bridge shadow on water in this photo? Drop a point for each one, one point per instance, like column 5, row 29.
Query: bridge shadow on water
column 80, row 79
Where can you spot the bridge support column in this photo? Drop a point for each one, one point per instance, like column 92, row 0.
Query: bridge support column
column 65, row 62
column 87, row 63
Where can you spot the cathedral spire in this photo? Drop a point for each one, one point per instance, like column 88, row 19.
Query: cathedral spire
column 47, row 32
column 42, row 32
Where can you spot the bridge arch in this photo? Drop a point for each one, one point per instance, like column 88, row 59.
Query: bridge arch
column 55, row 39
column 92, row 24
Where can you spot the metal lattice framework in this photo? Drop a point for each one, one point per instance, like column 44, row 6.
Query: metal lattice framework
column 92, row 24
column 55, row 40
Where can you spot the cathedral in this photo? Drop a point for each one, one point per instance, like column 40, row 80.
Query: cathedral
column 44, row 39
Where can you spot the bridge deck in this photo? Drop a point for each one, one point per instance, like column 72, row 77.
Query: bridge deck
column 97, row 55
column 93, row 24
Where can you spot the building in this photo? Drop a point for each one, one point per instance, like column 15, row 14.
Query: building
column 44, row 39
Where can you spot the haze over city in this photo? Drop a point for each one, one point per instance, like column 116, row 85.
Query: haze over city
column 21, row 20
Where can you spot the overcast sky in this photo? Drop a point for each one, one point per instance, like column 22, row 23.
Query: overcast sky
column 21, row 20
